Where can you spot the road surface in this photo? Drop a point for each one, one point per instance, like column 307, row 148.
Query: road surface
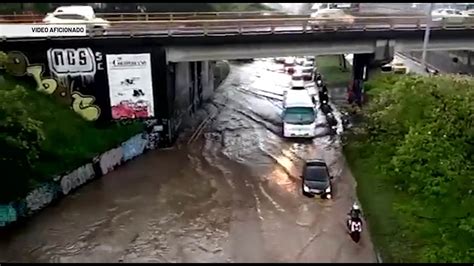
column 233, row 195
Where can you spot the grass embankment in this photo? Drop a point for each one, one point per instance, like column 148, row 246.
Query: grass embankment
column 333, row 73
column 413, row 162
column 40, row 138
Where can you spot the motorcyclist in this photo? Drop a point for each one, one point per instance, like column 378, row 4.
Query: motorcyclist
column 319, row 82
column 355, row 212
column 318, row 77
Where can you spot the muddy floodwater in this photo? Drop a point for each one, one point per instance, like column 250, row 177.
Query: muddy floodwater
column 232, row 195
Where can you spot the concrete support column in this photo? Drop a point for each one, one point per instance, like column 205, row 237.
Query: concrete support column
column 360, row 73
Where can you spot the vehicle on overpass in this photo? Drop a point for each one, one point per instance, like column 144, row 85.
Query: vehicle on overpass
column 316, row 180
column 355, row 7
column 396, row 66
column 79, row 15
column 299, row 114
column 468, row 13
column 449, row 15
column 328, row 16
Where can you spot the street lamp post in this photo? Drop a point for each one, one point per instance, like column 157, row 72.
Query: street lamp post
column 427, row 35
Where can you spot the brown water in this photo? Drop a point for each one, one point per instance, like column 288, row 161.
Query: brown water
column 233, row 195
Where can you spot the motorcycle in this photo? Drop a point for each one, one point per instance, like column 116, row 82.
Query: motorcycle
column 355, row 229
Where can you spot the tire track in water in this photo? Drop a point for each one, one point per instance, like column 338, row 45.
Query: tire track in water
column 274, row 203
column 210, row 153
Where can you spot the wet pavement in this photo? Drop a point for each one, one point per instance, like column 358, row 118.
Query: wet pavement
column 232, row 195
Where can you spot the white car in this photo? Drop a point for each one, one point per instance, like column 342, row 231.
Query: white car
column 308, row 73
column 76, row 15
column 300, row 60
column 280, row 60
column 468, row 13
column 396, row 66
column 449, row 15
column 297, row 79
column 330, row 16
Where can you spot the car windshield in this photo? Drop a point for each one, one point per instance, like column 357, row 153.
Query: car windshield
column 299, row 115
column 69, row 16
column 316, row 173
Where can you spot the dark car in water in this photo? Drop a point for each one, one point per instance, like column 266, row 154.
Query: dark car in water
column 316, row 180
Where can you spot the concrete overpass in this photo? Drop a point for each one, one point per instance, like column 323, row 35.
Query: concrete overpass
column 347, row 43
column 190, row 38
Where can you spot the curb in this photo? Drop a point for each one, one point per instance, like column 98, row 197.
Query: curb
column 50, row 192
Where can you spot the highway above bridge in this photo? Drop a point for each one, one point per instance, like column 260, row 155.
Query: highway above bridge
column 215, row 36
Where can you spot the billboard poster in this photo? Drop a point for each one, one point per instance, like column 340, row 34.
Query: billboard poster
column 130, row 84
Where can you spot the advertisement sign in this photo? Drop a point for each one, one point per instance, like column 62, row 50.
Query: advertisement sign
column 130, row 83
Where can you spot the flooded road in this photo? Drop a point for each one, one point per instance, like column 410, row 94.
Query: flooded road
column 232, row 195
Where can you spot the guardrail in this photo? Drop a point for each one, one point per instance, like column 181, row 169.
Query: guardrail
column 159, row 16
column 223, row 27
column 137, row 16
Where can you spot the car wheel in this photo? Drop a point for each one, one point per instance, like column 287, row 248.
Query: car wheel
column 99, row 30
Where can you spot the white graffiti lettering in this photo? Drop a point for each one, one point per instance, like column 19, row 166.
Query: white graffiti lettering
column 71, row 61
column 39, row 198
column 152, row 140
column 98, row 59
column 77, row 177
column 110, row 159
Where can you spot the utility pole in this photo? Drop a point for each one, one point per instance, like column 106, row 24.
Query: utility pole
column 427, row 35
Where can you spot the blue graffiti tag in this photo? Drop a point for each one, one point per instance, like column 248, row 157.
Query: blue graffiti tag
column 133, row 147
column 7, row 214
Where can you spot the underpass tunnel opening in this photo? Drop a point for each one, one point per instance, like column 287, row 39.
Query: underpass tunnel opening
column 189, row 96
column 190, row 85
column 193, row 81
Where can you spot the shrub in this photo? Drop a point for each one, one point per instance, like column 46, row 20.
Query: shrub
column 20, row 139
column 425, row 125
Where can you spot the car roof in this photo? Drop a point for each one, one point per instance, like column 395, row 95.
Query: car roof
column 83, row 10
column 315, row 162
column 301, row 98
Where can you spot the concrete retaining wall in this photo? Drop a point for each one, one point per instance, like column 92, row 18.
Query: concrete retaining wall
column 48, row 192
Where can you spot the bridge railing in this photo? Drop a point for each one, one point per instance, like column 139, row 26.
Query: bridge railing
column 242, row 26
column 138, row 16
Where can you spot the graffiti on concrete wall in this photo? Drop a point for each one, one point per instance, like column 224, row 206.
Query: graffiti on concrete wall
column 133, row 147
column 110, row 159
column 72, row 70
column 7, row 214
column 77, row 177
column 41, row 197
column 75, row 69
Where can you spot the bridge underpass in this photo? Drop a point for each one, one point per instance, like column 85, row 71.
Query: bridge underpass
column 232, row 195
